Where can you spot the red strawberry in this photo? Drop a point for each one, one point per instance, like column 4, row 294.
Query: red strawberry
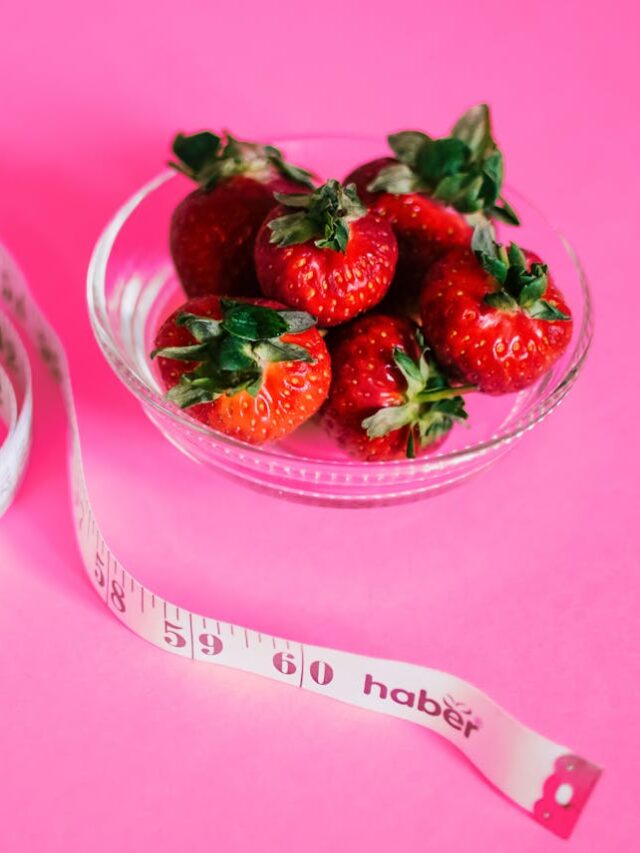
column 214, row 227
column 493, row 315
column 427, row 188
column 247, row 368
column 388, row 399
column 330, row 257
column 425, row 228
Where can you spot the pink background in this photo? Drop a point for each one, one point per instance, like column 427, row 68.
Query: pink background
column 524, row 581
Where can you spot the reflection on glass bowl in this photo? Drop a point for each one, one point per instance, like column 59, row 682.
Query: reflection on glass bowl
column 132, row 287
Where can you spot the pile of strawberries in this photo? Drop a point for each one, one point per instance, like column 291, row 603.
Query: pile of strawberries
column 379, row 302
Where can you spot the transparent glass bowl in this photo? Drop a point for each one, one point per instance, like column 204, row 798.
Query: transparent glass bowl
column 132, row 287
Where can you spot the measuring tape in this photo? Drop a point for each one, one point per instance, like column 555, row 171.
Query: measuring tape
column 547, row 780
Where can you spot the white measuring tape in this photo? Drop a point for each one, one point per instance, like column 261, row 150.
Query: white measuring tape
column 545, row 779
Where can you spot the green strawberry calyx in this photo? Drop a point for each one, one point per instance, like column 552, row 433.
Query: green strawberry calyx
column 322, row 216
column 464, row 170
column 520, row 284
column 208, row 159
column 431, row 406
column 230, row 354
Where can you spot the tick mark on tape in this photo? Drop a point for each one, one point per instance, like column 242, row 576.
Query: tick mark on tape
column 301, row 664
column 193, row 653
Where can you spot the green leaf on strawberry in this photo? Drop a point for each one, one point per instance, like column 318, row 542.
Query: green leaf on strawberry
column 202, row 328
column 208, row 159
column 407, row 144
column 474, row 129
column 252, row 322
column 545, row 310
column 464, row 170
column 519, row 284
column 276, row 350
column 441, row 158
column 398, row 178
column 229, row 354
column 234, row 354
column 197, row 150
column 322, row 216
column 297, row 321
column 193, row 352
column 432, row 405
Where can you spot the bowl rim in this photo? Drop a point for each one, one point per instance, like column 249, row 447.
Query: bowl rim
column 95, row 293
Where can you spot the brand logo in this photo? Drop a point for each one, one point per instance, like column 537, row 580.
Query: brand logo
column 455, row 714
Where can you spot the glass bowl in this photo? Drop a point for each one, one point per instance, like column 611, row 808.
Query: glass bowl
column 132, row 287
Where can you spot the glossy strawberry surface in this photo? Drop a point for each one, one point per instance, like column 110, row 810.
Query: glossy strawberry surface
column 499, row 351
column 290, row 392
column 366, row 381
column 425, row 229
column 212, row 234
column 334, row 286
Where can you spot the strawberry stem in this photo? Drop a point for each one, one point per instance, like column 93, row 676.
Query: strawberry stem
column 208, row 159
column 230, row 354
column 444, row 394
column 322, row 216
column 431, row 406
column 464, row 170
column 519, row 283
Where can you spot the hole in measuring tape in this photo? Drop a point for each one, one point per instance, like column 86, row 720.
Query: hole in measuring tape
column 564, row 794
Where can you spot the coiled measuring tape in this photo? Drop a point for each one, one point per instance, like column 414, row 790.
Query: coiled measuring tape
column 546, row 779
